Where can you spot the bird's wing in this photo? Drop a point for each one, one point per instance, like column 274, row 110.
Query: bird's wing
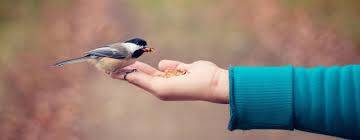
column 108, row 51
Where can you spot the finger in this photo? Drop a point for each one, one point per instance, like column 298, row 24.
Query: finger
column 157, row 86
column 143, row 67
column 183, row 67
column 168, row 64
column 144, row 81
column 171, row 64
column 140, row 79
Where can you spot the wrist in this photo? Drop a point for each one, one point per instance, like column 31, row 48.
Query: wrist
column 221, row 89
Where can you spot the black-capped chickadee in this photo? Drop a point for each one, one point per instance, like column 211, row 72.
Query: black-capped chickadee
column 113, row 57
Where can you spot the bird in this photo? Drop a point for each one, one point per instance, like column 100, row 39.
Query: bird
column 112, row 57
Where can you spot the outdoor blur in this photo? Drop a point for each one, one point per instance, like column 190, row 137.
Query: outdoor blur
column 78, row 102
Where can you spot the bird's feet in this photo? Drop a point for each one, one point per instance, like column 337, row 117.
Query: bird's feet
column 128, row 72
column 122, row 72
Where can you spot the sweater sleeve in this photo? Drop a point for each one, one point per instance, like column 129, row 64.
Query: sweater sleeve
column 323, row 100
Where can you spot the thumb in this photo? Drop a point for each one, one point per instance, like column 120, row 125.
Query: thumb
column 171, row 64
column 139, row 79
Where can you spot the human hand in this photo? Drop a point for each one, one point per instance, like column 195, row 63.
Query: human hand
column 203, row 81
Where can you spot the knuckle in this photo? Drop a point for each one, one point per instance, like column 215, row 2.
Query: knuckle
column 162, row 95
column 162, row 62
column 203, row 62
column 182, row 66
column 163, row 98
column 159, row 93
column 130, row 79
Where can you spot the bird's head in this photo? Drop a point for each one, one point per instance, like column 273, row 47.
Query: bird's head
column 137, row 47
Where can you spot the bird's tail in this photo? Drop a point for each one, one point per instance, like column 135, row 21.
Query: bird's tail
column 72, row 61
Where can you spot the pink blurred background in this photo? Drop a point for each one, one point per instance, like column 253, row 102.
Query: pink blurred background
column 80, row 103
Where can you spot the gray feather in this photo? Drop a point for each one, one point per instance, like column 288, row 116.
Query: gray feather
column 72, row 61
column 116, row 51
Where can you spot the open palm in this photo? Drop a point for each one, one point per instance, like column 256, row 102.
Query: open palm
column 203, row 81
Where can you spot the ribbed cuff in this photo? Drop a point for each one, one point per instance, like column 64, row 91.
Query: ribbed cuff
column 261, row 98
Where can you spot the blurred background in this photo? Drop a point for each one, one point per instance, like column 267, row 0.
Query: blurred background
column 80, row 103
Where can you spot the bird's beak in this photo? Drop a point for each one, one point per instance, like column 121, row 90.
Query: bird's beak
column 148, row 49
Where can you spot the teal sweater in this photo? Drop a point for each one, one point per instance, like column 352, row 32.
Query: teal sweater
column 323, row 100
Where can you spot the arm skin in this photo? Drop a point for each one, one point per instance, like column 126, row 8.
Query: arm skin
column 323, row 100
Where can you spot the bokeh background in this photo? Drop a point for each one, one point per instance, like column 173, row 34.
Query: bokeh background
column 79, row 103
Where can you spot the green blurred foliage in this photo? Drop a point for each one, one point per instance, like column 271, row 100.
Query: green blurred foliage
column 18, row 18
column 20, row 21
column 192, row 24
column 343, row 14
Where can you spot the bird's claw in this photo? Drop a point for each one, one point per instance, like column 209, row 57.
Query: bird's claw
column 128, row 72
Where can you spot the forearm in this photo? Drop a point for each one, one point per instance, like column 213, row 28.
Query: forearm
column 321, row 100
column 260, row 98
column 327, row 100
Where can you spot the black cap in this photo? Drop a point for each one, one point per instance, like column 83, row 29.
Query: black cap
column 137, row 41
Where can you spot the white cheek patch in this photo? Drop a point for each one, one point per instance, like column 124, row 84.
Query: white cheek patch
column 132, row 47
